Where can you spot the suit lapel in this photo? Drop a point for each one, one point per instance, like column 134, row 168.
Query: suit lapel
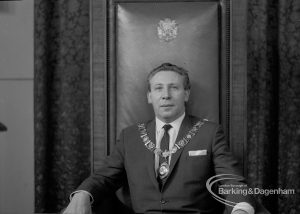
column 151, row 129
column 186, row 125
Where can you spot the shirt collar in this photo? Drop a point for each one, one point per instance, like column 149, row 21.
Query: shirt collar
column 175, row 124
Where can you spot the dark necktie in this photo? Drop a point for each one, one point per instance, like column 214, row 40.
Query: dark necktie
column 163, row 161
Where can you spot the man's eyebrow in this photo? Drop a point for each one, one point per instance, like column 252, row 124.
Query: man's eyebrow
column 169, row 84
column 157, row 84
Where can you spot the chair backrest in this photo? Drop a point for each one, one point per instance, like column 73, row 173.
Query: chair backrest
column 149, row 34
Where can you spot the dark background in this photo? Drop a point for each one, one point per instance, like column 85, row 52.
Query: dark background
column 62, row 100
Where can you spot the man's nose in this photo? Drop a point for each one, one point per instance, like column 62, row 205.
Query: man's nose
column 166, row 94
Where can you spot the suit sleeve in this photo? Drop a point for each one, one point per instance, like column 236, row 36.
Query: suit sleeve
column 225, row 163
column 110, row 176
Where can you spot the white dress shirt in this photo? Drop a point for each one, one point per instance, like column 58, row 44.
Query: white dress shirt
column 173, row 132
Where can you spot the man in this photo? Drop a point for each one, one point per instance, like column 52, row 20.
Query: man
column 168, row 160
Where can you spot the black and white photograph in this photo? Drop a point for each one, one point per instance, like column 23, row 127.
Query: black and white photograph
column 150, row 107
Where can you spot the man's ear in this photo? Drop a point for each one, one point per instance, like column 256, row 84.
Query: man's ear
column 149, row 97
column 186, row 95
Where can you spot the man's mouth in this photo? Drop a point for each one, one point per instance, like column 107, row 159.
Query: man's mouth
column 166, row 105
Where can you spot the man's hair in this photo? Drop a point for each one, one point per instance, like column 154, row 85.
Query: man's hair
column 174, row 68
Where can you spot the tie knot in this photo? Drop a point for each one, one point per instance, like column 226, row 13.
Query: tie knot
column 167, row 127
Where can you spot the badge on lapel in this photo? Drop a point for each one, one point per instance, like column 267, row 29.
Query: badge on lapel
column 198, row 153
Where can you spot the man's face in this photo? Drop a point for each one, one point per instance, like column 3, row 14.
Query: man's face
column 167, row 95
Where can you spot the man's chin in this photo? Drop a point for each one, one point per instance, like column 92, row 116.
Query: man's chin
column 167, row 117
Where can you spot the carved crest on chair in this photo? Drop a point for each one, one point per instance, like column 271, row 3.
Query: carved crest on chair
column 167, row 30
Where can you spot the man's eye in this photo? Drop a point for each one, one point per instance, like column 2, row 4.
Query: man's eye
column 158, row 88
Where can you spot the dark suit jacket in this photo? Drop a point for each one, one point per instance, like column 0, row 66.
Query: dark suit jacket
column 185, row 188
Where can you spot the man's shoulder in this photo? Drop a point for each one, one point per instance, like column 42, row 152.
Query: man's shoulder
column 135, row 126
column 196, row 119
column 206, row 124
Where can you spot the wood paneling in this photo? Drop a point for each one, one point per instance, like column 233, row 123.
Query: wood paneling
column 16, row 107
column 238, row 99
column 16, row 39
column 98, row 82
column 16, row 146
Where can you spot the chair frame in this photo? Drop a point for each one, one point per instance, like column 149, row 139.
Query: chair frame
column 233, row 76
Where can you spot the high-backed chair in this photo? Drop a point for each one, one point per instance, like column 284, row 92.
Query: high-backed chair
column 130, row 38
